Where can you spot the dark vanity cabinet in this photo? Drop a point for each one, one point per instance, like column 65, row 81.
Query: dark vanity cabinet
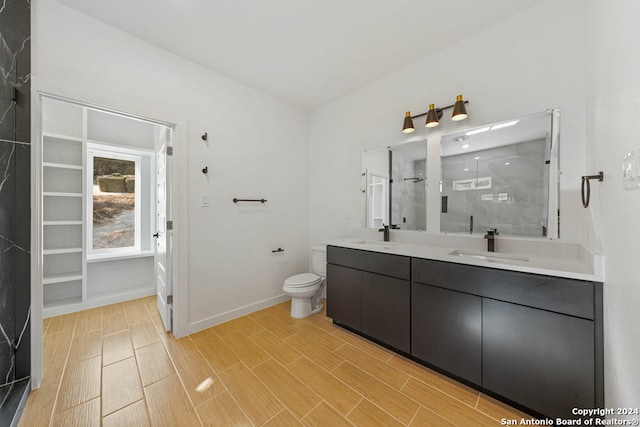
column 533, row 340
column 344, row 295
column 446, row 330
column 540, row 359
column 370, row 293
column 385, row 309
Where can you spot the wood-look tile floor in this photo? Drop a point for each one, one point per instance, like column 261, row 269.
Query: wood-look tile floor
column 115, row 366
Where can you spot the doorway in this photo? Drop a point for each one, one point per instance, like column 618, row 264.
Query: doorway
column 79, row 269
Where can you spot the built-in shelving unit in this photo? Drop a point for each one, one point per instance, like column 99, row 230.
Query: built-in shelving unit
column 73, row 277
column 63, row 213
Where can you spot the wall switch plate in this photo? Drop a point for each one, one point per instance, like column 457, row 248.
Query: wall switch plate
column 204, row 200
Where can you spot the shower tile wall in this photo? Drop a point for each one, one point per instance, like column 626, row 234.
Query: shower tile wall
column 408, row 199
column 516, row 201
column 15, row 215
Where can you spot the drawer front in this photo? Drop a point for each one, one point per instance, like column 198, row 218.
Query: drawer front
column 389, row 265
column 567, row 296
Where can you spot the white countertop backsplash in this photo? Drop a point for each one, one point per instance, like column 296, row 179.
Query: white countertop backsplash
column 547, row 257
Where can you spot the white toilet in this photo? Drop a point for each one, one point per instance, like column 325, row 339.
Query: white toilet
column 306, row 289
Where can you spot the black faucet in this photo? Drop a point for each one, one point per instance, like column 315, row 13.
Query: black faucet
column 491, row 239
column 385, row 229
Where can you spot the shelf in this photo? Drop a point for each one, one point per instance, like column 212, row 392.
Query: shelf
column 60, row 278
column 61, row 222
column 61, row 166
column 60, row 194
column 61, row 251
column 62, row 303
column 62, row 151
column 50, row 135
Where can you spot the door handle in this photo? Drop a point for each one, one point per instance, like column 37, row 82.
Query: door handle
column 156, row 235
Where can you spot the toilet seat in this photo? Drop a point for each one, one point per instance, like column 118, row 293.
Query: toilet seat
column 303, row 280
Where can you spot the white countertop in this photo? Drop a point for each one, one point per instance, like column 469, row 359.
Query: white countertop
column 572, row 261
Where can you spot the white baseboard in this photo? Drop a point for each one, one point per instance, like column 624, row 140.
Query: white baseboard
column 234, row 314
column 98, row 301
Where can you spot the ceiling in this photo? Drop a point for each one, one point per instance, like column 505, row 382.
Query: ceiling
column 304, row 52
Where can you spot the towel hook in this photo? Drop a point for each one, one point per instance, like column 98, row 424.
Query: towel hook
column 586, row 184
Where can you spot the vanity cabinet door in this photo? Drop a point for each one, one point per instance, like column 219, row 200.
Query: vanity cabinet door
column 344, row 296
column 446, row 330
column 540, row 359
column 386, row 310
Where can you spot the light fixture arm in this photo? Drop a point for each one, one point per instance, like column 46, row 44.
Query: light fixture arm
column 439, row 111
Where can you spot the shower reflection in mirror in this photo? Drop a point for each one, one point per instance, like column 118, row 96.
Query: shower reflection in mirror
column 395, row 190
column 502, row 175
column 498, row 176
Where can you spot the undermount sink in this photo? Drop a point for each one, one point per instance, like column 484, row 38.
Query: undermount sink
column 382, row 245
column 491, row 256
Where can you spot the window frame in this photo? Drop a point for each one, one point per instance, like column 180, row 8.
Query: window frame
column 94, row 150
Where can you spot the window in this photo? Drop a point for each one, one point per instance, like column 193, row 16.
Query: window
column 119, row 193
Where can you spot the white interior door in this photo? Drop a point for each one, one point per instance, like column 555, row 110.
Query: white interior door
column 163, row 233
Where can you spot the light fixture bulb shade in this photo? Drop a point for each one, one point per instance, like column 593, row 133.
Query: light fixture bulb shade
column 432, row 117
column 408, row 124
column 459, row 110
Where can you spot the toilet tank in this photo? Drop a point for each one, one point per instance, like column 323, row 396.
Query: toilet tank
column 319, row 260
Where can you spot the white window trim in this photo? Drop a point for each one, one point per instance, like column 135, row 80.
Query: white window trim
column 95, row 149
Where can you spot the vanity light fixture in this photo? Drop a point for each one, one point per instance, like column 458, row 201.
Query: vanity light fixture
column 432, row 117
column 435, row 114
column 408, row 124
column 459, row 111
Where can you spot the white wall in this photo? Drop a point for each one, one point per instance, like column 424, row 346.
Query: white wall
column 257, row 148
column 108, row 280
column 614, row 107
column 525, row 64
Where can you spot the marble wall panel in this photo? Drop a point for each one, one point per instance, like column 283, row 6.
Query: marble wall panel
column 15, row 190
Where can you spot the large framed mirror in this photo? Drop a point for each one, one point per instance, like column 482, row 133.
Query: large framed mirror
column 394, row 186
column 502, row 176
